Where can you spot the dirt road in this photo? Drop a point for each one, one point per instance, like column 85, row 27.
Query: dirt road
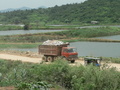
column 21, row 58
column 38, row 60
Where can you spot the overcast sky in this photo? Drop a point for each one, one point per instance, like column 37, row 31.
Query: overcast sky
column 5, row 4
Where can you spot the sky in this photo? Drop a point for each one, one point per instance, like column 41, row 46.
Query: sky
column 5, row 4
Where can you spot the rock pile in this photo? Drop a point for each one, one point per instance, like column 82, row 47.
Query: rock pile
column 52, row 42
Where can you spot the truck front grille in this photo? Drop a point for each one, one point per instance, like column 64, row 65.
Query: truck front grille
column 73, row 56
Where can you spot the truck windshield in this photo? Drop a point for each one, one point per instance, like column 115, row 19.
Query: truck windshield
column 72, row 50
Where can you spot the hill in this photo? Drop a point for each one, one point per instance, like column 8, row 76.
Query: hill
column 14, row 9
column 103, row 11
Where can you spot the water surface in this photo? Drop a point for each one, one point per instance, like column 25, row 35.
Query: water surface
column 15, row 32
column 96, row 49
column 113, row 37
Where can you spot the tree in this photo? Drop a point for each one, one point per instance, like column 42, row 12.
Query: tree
column 26, row 25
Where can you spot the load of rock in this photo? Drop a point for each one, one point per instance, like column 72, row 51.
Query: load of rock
column 53, row 42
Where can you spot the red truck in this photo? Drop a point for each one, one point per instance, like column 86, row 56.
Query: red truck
column 51, row 52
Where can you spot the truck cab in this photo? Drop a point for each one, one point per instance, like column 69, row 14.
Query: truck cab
column 69, row 53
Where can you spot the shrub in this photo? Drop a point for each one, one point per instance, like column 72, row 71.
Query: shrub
column 30, row 75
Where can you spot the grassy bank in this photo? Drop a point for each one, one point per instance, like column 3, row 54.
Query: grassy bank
column 73, row 35
column 111, row 59
column 53, row 27
column 10, row 27
column 90, row 40
column 91, row 32
column 28, row 76
column 18, row 45
column 37, row 27
column 30, row 38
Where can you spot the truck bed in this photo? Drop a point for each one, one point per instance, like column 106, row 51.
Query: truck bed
column 51, row 49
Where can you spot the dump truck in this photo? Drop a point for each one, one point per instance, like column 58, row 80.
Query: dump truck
column 51, row 52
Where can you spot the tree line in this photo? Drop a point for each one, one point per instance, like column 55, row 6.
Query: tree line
column 103, row 11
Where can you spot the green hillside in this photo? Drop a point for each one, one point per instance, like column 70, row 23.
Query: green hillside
column 103, row 11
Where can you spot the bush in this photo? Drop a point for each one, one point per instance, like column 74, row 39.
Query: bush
column 111, row 59
column 34, row 86
column 60, row 73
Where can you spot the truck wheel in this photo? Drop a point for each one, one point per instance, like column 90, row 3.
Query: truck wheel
column 72, row 61
column 44, row 58
column 49, row 59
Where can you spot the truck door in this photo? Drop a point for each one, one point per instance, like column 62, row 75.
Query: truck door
column 64, row 52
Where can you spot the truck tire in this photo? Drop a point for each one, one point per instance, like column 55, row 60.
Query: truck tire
column 44, row 58
column 49, row 59
column 72, row 61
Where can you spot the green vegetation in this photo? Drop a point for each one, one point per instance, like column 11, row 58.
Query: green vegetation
column 74, row 35
column 91, row 32
column 19, row 45
column 22, row 75
column 59, row 27
column 90, row 10
column 35, row 27
column 10, row 27
column 111, row 59
column 29, row 38
column 77, row 13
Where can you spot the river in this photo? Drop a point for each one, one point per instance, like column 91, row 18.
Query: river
column 97, row 49
column 15, row 32
column 114, row 37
